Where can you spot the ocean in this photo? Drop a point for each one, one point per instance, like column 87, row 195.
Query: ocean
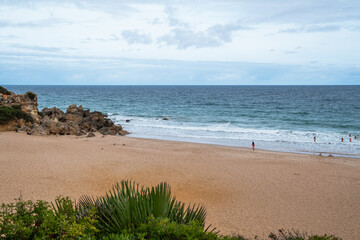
column 278, row 118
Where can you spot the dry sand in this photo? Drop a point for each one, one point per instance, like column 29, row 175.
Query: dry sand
column 246, row 192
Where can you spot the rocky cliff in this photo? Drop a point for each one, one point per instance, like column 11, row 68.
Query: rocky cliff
column 27, row 102
column 20, row 113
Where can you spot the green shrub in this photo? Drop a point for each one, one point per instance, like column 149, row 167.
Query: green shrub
column 31, row 95
column 8, row 113
column 18, row 107
column 41, row 114
column 127, row 206
column 4, row 91
column 29, row 220
column 163, row 228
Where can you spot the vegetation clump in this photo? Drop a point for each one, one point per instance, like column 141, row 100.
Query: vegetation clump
column 40, row 220
column 127, row 206
column 4, row 91
column 11, row 113
column 31, row 95
column 127, row 212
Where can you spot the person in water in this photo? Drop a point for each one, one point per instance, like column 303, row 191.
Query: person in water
column 253, row 146
column 314, row 139
column 342, row 139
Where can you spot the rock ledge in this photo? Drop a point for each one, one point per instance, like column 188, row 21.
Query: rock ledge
column 75, row 121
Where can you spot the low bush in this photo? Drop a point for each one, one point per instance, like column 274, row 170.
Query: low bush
column 31, row 95
column 18, row 107
column 41, row 220
column 9, row 113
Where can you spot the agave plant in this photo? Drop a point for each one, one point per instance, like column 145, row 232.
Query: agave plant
column 127, row 205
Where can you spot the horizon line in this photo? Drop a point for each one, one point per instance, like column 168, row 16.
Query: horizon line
column 89, row 85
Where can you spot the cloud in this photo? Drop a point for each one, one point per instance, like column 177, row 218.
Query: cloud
column 50, row 22
column 112, row 37
column 313, row 28
column 35, row 48
column 182, row 39
column 136, row 37
column 9, row 37
column 172, row 18
column 223, row 32
column 290, row 52
column 214, row 36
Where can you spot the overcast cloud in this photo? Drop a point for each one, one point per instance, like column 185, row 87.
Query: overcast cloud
column 283, row 35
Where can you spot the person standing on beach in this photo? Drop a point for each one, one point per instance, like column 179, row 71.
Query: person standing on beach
column 253, row 146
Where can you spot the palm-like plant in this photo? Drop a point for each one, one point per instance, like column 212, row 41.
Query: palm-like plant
column 127, row 205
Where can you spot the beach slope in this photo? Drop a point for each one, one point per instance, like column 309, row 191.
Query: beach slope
column 245, row 192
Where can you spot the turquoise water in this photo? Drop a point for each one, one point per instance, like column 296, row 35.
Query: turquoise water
column 284, row 118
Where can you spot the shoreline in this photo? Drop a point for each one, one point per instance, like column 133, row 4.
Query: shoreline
column 244, row 192
column 324, row 154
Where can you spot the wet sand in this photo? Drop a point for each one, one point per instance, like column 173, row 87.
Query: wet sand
column 245, row 192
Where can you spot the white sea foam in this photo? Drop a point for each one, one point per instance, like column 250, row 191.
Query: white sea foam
column 232, row 135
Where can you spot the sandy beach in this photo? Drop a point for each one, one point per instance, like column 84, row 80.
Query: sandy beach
column 245, row 192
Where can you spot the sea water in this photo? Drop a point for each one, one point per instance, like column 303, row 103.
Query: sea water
column 280, row 118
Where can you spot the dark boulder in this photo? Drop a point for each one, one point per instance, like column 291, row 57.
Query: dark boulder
column 77, row 121
column 54, row 113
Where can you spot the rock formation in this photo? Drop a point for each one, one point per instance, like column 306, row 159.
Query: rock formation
column 27, row 102
column 75, row 121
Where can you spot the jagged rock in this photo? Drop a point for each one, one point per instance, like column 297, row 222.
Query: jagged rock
column 26, row 102
column 85, row 127
column 54, row 113
column 75, row 121
column 39, row 130
column 72, row 128
column 90, row 134
column 127, row 120
column 24, row 129
column 56, row 127
column 123, row 133
column 78, row 121
column 72, row 108
column 113, row 130
column 73, row 117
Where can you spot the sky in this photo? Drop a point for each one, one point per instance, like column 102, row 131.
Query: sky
column 139, row 42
